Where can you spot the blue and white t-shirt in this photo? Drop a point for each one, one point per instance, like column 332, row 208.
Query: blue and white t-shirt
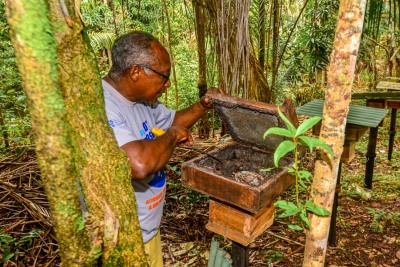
column 132, row 121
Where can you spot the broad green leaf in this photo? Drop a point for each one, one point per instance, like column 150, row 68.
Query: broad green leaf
column 304, row 218
column 283, row 204
column 289, row 125
column 322, row 144
column 315, row 142
column 278, row 131
column 307, row 141
column 307, row 124
column 302, row 184
column 320, row 211
column 295, row 227
column 283, row 148
column 289, row 207
column 304, row 174
column 289, row 212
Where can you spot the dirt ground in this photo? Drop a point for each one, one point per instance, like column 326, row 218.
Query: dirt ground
column 364, row 237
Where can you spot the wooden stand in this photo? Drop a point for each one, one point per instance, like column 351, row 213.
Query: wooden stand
column 353, row 134
column 237, row 225
column 240, row 255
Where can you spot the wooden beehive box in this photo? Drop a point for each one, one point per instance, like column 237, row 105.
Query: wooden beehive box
column 237, row 180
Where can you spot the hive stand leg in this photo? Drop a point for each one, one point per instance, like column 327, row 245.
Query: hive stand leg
column 392, row 132
column 240, row 255
column 332, row 228
column 369, row 168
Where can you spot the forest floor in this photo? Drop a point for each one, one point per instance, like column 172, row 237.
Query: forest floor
column 367, row 232
column 367, row 228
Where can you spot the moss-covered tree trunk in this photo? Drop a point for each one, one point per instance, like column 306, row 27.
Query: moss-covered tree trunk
column 74, row 142
column 337, row 101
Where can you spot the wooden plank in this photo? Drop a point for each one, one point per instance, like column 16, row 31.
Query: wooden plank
column 353, row 133
column 385, row 85
column 358, row 115
column 238, row 225
column 376, row 95
column 349, row 152
column 240, row 255
column 393, row 104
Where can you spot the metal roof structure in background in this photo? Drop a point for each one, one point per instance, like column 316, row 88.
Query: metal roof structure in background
column 358, row 115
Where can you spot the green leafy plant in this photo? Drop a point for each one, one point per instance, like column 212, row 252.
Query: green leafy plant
column 381, row 218
column 297, row 139
column 273, row 256
column 11, row 246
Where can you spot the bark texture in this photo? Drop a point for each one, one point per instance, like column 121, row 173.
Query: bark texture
column 74, row 142
column 103, row 168
column 33, row 40
column 200, row 24
column 337, row 101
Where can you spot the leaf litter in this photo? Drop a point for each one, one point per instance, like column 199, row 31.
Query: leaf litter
column 368, row 228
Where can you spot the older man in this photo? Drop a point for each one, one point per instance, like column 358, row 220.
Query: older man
column 138, row 77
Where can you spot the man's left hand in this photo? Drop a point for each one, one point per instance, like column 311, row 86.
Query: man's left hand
column 206, row 101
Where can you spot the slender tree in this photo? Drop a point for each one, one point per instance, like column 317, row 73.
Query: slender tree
column 337, row 101
column 275, row 47
column 77, row 153
column 200, row 21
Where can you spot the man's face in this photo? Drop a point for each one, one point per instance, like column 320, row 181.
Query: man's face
column 155, row 78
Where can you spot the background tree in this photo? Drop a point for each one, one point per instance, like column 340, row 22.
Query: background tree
column 13, row 121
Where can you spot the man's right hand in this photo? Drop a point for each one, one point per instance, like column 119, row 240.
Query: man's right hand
column 182, row 134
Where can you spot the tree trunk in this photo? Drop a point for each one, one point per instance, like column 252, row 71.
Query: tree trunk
column 3, row 128
column 33, row 40
column 74, row 142
column 171, row 54
column 200, row 20
column 337, row 100
column 275, row 47
column 261, row 32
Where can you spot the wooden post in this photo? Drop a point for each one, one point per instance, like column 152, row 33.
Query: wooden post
column 240, row 255
column 332, row 228
column 369, row 169
column 392, row 132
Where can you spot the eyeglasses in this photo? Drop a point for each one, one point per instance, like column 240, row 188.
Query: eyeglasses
column 165, row 76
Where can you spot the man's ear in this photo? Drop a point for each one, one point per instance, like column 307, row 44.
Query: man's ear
column 134, row 72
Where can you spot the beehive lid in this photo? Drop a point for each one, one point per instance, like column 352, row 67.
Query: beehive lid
column 246, row 120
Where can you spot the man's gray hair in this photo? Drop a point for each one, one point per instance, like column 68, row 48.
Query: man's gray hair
column 130, row 49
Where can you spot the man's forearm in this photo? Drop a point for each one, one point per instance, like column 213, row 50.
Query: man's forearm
column 187, row 117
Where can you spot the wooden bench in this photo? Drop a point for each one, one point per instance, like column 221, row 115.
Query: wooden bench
column 359, row 119
column 387, row 95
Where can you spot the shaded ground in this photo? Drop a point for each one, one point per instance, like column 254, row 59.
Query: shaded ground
column 368, row 223
column 368, row 227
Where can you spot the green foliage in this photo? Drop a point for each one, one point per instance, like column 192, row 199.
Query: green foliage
column 302, row 176
column 13, row 109
column 15, row 247
column 381, row 218
column 273, row 256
